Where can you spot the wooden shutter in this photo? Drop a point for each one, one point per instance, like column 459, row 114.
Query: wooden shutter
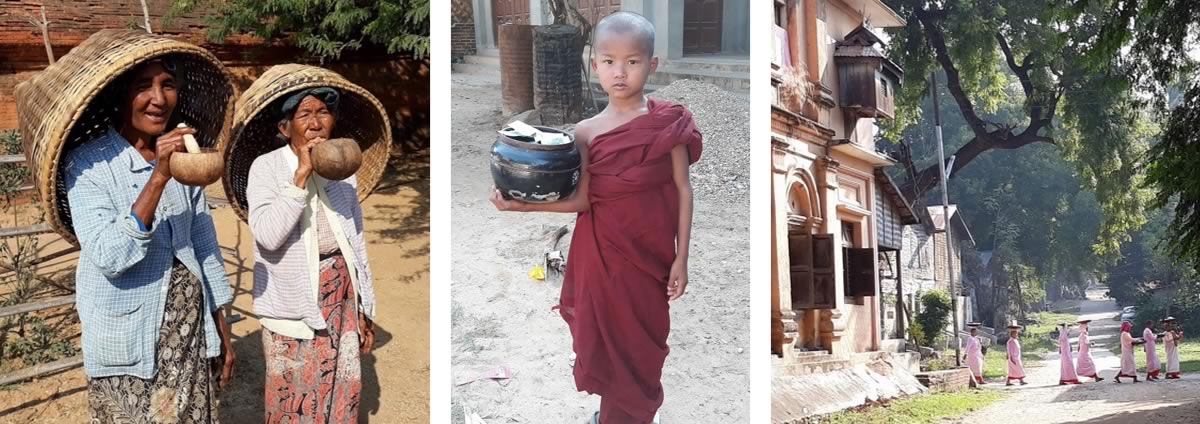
column 800, row 257
column 861, row 272
column 824, row 283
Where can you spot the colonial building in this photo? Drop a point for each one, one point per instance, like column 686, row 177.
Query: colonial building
column 831, row 82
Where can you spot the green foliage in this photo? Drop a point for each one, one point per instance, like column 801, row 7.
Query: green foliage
column 918, row 332
column 934, row 315
column 12, row 175
column 41, row 344
column 1083, row 128
column 1173, row 169
column 325, row 28
column 932, row 408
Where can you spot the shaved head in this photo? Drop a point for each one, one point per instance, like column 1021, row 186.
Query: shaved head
column 627, row 24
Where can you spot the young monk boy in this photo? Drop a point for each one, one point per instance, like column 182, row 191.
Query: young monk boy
column 1171, row 345
column 974, row 354
column 1153, row 365
column 1084, row 366
column 1066, row 362
column 629, row 253
column 1016, row 367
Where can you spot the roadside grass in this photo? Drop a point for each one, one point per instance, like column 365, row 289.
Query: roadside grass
column 919, row 409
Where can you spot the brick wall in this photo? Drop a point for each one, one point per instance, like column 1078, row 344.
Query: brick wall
column 462, row 29
column 946, row 380
column 401, row 84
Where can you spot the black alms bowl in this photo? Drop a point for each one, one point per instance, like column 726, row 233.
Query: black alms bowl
column 535, row 173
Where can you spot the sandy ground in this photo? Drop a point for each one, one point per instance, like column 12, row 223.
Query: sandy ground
column 1044, row 401
column 502, row 317
column 395, row 376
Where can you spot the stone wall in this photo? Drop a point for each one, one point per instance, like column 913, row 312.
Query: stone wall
column 462, row 29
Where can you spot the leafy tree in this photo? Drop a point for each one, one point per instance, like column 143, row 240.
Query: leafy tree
column 325, row 28
column 1036, row 56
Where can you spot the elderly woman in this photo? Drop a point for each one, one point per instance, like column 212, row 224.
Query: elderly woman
column 312, row 284
column 150, row 278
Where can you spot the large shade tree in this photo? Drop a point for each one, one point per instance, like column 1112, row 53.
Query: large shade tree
column 1040, row 55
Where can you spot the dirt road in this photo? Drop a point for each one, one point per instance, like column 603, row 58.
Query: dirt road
column 501, row 317
column 1044, row 401
column 395, row 376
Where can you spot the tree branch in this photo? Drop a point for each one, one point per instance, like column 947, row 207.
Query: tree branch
column 937, row 40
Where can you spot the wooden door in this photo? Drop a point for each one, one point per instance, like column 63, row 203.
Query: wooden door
column 508, row 12
column 702, row 26
column 595, row 10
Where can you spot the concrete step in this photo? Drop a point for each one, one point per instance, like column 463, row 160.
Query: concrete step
column 734, row 65
column 483, row 60
column 474, row 68
column 731, row 81
column 488, row 52
column 817, row 367
column 810, row 353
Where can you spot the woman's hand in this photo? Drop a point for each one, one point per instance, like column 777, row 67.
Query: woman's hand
column 228, row 356
column 305, row 154
column 366, row 329
column 678, row 280
column 164, row 146
column 503, row 204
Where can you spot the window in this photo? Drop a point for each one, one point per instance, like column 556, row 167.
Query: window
column 858, row 265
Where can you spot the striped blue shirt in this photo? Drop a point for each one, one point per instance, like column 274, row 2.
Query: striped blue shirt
column 124, row 266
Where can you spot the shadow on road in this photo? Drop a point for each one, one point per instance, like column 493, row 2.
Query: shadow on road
column 1180, row 413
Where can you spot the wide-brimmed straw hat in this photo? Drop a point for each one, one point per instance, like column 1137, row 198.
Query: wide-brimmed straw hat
column 360, row 116
column 1083, row 321
column 1168, row 319
column 74, row 101
column 1014, row 325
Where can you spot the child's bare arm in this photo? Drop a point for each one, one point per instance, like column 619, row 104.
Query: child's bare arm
column 677, row 282
column 575, row 203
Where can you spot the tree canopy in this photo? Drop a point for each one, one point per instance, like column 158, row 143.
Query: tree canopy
column 324, row 28
column 1036, row 56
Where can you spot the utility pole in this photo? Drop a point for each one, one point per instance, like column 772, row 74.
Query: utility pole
column 937, row 129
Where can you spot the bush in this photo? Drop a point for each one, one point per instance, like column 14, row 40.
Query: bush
column 917, row 332
column 41, row 344
column 934, row 315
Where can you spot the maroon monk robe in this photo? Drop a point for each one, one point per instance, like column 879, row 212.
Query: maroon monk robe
column 614, row 295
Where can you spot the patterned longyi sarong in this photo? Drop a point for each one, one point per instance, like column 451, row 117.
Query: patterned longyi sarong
column 184, row 388
column 318, row 381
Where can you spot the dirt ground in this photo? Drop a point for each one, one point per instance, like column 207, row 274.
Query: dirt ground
column 502, row 317
column 1044, row 401
column 395, row 376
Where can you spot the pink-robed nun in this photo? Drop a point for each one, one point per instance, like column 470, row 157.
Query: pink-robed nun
column 1171, row 345
column 1128, row 367
column 974, row 353
column 1016, row 368
column 1066, row 362
column 1153, row 365
column 1084, row 366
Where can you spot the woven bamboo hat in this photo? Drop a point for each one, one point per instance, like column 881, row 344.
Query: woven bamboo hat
column 360, row 116
column 73, row 101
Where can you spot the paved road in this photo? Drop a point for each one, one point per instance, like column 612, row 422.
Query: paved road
column 1044, row 401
